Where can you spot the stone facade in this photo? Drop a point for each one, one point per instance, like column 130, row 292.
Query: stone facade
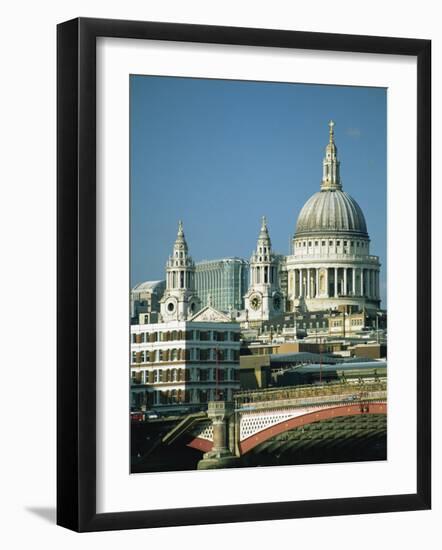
column 184, row 363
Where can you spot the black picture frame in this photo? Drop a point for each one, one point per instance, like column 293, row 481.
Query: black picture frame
column 76, row 274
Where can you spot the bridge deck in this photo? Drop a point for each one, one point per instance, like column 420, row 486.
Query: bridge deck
column 311, row 394
column 314, row 400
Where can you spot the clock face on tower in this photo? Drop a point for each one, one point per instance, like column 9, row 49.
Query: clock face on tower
column 255, row 301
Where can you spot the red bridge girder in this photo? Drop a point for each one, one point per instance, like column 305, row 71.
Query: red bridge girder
column 321, row 414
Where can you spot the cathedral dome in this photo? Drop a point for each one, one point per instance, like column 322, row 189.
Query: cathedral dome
column 331, row 211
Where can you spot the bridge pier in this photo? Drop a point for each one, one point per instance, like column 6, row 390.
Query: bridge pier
column 220, row 456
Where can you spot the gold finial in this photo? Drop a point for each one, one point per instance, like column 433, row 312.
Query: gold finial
column 180, row 227
column 263, row 222
column 331, row 125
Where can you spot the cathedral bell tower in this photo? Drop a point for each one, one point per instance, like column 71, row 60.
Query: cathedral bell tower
column 180, row 300
column 264, row 299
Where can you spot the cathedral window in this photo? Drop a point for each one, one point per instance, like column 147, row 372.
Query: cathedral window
column 316, row 243
column 338, row 243
column 330, row 243
column 310, row 243
column 323, row 243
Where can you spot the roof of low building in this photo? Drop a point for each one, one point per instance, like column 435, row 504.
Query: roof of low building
column 149, row 286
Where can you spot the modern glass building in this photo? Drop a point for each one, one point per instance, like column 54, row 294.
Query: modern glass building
column 222, row 282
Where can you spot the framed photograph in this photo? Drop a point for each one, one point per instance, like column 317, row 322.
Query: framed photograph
column 243, row 274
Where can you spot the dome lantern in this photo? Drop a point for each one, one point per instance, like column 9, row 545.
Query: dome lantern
column 331, row 179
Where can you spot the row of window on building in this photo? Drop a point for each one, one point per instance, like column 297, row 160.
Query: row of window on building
column 299, row 324
column 353, row 322
column 186, row 335
column 177, row 354
column 358, row 244
column 177, row 396
column 163, row 376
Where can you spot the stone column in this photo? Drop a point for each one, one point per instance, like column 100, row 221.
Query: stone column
column 219, row 434
column 220, row 456
column 345, row 281
column 353, row 283
column 336, row 282
column 317, row 282
column 362, row 281
column 308, row 282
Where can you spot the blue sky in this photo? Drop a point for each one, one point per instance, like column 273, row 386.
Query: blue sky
column 220, row 154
